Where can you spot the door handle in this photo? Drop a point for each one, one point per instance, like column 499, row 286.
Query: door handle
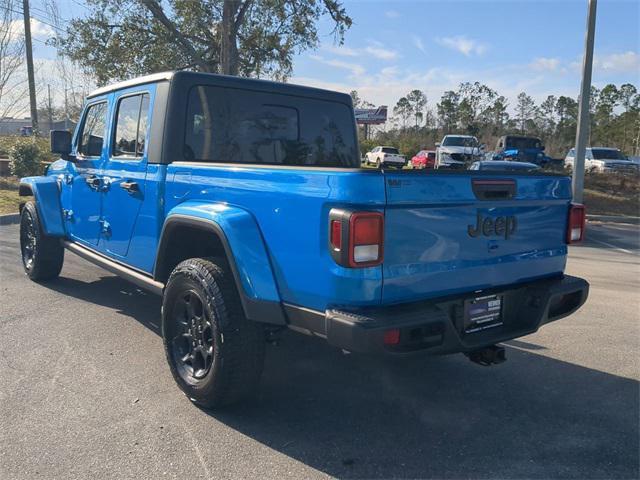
column 93, row 181
column 130, row 187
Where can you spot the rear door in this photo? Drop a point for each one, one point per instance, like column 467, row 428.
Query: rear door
column 125, row 170
column 448, row 232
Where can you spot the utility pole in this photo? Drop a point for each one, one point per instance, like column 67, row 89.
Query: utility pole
column 49, row 109
column 66, row 111
column 582, row 132
column 32, row 81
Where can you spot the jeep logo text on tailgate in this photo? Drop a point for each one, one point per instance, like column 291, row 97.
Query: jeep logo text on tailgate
column 498, row 226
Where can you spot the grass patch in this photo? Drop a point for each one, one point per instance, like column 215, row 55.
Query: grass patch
column 608, row 194
column 9, row 199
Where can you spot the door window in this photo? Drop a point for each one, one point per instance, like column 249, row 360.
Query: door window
column 131, row 126
column 92, row 138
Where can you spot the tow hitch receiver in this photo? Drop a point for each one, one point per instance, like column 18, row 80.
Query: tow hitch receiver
column 488, row 356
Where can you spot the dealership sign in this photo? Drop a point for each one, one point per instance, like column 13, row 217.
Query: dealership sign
column 371, row 116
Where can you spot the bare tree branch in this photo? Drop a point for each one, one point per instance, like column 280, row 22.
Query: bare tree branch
column 11, row 60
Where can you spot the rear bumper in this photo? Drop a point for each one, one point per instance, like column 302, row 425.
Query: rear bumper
column 436, row 326
column 394, row 160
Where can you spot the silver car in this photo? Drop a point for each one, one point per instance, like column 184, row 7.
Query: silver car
column 602, row 160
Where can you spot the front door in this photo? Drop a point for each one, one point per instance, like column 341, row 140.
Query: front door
column 85, row 182
column 124, row 171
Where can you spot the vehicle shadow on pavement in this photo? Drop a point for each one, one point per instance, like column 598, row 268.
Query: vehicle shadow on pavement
column 442, row 417
column 355, row 416
column 116, row 294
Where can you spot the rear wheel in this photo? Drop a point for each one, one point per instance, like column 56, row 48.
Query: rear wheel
column 42, row 255
column 215, row 354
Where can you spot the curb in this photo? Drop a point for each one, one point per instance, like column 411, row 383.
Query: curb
column 614, row 219
column 10, row 219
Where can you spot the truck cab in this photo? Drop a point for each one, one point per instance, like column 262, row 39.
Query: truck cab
column 522, row 149
column 243, row 204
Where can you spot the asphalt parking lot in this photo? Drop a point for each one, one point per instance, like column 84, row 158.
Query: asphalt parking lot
column 85, row 392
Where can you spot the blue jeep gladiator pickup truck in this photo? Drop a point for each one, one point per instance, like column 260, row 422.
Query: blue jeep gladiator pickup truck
column 242, row 202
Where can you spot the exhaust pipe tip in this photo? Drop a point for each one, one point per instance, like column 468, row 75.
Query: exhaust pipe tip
column 492, row 355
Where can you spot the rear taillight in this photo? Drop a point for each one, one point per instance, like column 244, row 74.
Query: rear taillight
column 575, row 225
column 336, row 235
column 356, row 238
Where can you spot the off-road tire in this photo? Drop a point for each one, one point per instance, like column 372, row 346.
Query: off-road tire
column 42, row 255
column 237, row 344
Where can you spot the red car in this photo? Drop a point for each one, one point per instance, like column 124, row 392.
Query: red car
column 424, row 159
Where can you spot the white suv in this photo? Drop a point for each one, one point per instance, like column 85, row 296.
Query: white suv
column 458, row 151
column 385, row 156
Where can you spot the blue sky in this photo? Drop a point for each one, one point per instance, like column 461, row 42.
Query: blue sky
column 396, row 46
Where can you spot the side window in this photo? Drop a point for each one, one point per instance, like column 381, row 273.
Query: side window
column 92, row 138
column 572, row 153
column 131, row 126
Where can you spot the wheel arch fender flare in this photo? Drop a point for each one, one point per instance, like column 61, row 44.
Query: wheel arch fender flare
column 46, row 193
column 244, row 247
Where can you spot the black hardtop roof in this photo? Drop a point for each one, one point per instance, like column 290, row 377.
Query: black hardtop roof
column 519, row 136
column 184, row 79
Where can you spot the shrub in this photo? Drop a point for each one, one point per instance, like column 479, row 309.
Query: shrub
column 25, row 159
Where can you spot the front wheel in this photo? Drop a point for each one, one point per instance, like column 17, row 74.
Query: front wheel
column 214, row 352
column 42, row 255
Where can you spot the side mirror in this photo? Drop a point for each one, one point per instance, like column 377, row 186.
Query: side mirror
column 61, row 143
column 542, row 148
column 437, row 144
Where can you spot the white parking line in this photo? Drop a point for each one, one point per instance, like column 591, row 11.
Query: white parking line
column 623, row 250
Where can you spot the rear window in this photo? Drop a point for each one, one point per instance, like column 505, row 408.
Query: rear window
column 522, row 143
column 607, row 154
column 243, row 126
column 391, row 150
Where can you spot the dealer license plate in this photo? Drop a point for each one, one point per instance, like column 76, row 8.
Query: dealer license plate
column 481, row 313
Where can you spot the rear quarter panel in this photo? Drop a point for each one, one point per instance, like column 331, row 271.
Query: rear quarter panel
column 291, row 208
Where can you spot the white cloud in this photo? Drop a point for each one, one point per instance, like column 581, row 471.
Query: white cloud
column 617, row 62
column 463, row 44
column 418, row 43
column 354, row 68
column 38, row 30
column 386, row 85
column 392, row 14
column 342, row 51
column 545, row 64
column 375, row 49
column 381, row 53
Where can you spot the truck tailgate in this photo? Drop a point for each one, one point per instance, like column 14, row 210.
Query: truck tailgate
column 448, row 233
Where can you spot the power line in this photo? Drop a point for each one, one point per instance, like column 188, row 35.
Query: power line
column 20, row 12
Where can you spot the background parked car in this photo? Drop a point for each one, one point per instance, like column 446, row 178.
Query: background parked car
column 385, row 156
column 424, row 159
column 521, row 148
column 504, row 166
column 603, row 160
column 458, row 151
